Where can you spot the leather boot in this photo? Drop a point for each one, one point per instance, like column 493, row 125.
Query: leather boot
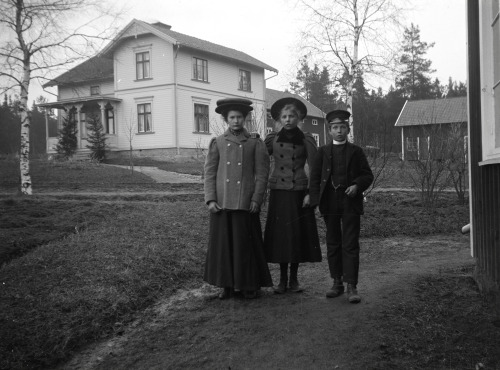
column 281, row 288
column 336, row 290
column 352, row 294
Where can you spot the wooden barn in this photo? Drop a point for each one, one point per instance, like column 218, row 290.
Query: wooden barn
column 483, row 32
column 426, row 123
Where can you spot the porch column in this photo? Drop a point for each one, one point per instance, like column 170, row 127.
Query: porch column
column 46, row 130
column 79, row 136
column 102, row 105
column 114, row 129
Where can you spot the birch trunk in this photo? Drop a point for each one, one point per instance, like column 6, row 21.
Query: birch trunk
column 353, row 73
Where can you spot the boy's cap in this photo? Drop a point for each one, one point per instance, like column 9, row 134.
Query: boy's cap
column 338, row 116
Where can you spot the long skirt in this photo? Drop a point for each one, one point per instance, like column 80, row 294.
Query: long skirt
column 235, row 257
column 291, row 234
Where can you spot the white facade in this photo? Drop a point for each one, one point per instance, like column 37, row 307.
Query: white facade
column 158, row 98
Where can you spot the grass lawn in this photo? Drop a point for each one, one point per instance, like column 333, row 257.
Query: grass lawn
column 78, row 268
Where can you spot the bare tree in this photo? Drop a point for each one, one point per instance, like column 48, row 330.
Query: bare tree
column 130, row 129
column 457, row 163
column 38, row 38
column 354, row 38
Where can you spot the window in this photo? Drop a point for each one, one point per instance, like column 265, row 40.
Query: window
column 316, row 137
column 412, row 144
column 200, row 69
column 144, row 118
column 143, row 67
column 95, row 90
column 201, row 123
column 245, row 80
column 315, row 122
column 110, row 121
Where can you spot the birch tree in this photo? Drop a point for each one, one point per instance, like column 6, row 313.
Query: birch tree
column 38, row 38
column 354, row 38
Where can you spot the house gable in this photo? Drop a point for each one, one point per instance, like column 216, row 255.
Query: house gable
column 433, row 111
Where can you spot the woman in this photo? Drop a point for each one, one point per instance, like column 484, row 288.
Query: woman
column 291, row 236
column 236, row 172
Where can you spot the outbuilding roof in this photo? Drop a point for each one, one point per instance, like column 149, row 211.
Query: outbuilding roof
column 273, row 95
column 433, row 112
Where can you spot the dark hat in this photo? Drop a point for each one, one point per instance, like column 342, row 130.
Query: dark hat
column 338, row 116
column 241, row 105
column 279, row 104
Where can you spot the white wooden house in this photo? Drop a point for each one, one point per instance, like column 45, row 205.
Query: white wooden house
column 157, row 89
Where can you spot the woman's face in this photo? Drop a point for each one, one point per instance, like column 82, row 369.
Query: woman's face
column 289, row 119
column 235, row 120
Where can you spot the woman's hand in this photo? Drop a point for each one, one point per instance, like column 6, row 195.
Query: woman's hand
column 254, row 207
column 307, row 201
column 213, row 206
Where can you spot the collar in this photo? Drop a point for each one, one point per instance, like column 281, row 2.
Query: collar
column 335, row 142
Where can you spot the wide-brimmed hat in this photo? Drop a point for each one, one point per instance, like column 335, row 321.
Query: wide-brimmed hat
column 241, row 105
column 279, row 104
column 338, row 116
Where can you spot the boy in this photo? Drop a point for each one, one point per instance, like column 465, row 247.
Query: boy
column 339, row 176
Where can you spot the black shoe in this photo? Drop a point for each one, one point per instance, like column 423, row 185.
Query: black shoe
column 250, row 294
column 294, row 286
column 336, row 290
column 352, row 294
column 281, row 288
column 226, row 293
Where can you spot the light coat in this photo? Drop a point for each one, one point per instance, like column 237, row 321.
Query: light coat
column 236, row 171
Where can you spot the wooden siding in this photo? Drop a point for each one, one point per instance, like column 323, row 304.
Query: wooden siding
column 484, row 180
column 223, row 76
column 78, row 91
column 161, row 63
column 162, row 113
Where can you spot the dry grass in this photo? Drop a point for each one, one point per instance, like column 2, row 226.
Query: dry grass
column 444, row 324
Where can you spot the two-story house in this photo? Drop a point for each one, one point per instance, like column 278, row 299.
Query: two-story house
column 156, row 90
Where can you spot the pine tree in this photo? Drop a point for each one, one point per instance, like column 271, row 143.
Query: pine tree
column 68, row 141
column 96, row 138
column 414, row 80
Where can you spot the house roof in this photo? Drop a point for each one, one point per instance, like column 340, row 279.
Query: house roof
column 209, row 47
column 433, row 112
column 273, row 95
column 94, row 69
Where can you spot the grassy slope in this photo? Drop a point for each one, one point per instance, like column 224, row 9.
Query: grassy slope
column 122, row 255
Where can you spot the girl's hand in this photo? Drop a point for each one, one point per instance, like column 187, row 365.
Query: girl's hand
column 306, row 202
column 213, row 207
column 254, row 207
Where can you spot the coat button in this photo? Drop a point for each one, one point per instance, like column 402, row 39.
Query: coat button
column 240, row 145
column 228, row 162
column 323, row 180
column 239, row 163
column 328, row 169
column 228, row 144
column 281, row 155
column 282, row 168
column 282, row 179
column 281, row 145
column 227, row 180
column 293, row 181
column 238, row 182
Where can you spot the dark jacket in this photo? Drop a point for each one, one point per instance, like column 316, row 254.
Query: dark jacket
column 358, row 172
column 236, row 171
column 289, row 171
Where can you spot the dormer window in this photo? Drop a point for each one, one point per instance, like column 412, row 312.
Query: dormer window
column 143, row 65
column 95, row 90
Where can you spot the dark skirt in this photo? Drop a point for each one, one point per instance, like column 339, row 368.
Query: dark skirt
column 291, row 235
column 235, row 256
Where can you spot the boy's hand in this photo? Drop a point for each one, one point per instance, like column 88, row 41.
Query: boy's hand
column 254, row 207
column 307, row 201
column 352, row 190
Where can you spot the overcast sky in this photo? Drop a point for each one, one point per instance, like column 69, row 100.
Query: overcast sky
column 269, row 30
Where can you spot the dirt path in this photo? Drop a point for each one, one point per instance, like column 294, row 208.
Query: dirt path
column 192, row 330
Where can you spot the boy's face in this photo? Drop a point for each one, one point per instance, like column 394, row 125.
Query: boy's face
column 339, row 131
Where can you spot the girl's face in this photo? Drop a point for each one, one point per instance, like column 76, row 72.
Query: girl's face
column 235, row 120
column 289, row 119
